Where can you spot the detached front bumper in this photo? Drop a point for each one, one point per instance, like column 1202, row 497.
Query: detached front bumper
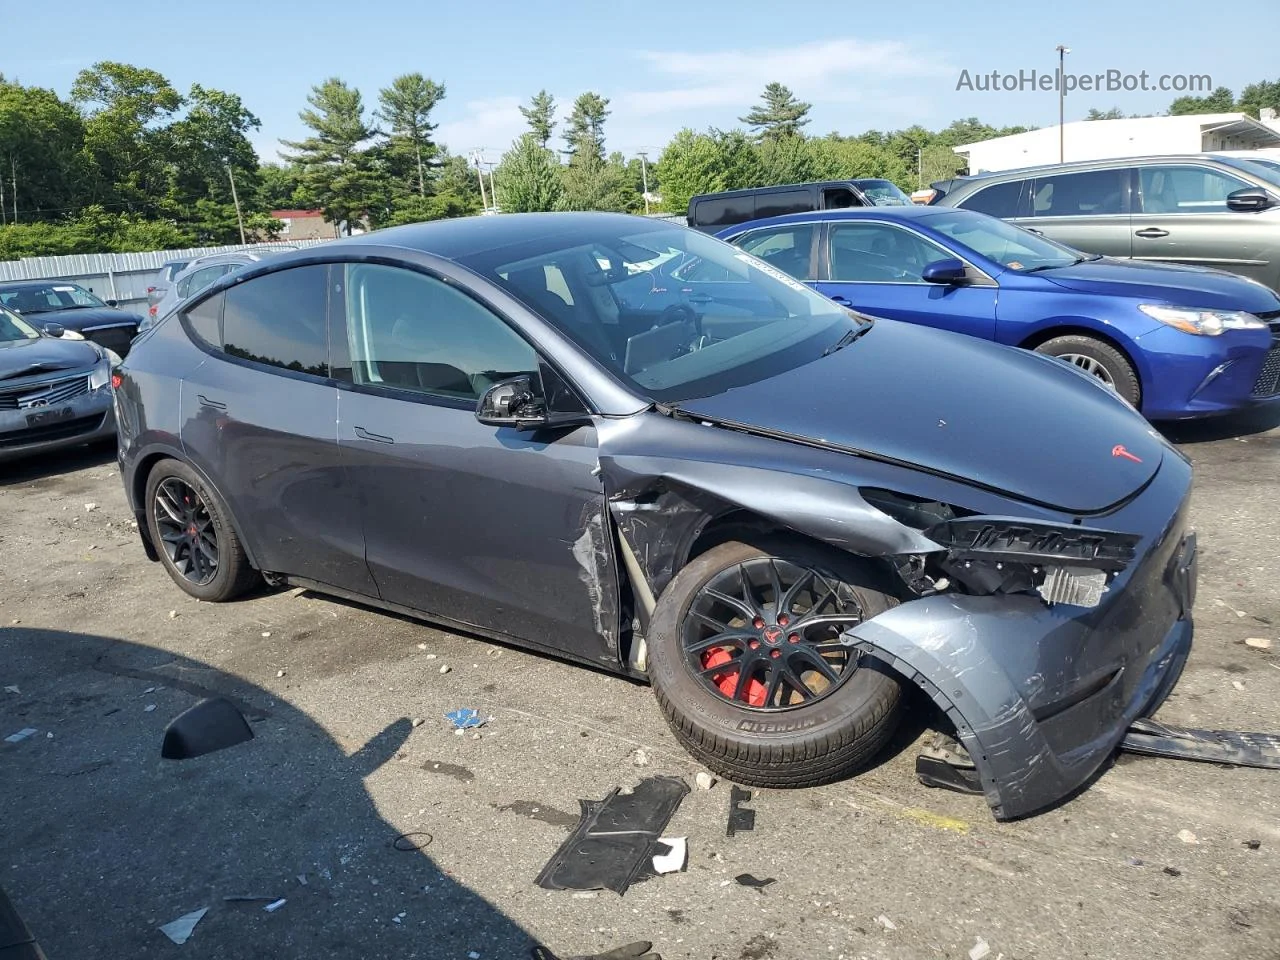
column 1041, row 695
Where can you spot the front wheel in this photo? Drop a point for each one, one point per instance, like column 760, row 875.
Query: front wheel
column 747, row 666
column 1100, row 360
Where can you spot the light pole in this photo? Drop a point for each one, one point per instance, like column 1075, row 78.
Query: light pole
column 475, row 158
column 644, row 178
column 236, row 200
column 1062, row 92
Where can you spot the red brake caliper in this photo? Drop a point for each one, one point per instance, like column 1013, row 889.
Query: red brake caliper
column 728, row 682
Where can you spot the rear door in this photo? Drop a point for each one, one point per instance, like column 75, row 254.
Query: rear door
column 724, row 302
column 487, row 526
column 875, row 267
column 259, row 417
column 1183, row 218
column 1088, row 210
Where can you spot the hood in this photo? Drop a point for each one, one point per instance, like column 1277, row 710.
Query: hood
column 1181, row 286
column 27, row 358
column 1009, row 420
column 78, row 318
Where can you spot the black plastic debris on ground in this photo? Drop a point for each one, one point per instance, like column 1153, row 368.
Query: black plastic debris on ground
column 740, row 818
column 1154, row 739
column 749, row 880
column 640, row 950
column 616, row 839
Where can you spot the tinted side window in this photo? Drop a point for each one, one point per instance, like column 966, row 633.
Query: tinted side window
column 414, row 332
column 279, row 319
column 880, row 253
column 1186, row 189
column 786, row 248
column 1090, row 193
column 1001, row 200
column 784, row 202
column 205, row 320
column 724, row 211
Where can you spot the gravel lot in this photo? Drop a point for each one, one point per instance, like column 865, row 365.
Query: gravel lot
column 101, row 841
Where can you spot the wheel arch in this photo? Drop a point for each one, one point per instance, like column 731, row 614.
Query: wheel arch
column 1080, row 328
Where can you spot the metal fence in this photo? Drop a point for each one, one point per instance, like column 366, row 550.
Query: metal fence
column 123, row 277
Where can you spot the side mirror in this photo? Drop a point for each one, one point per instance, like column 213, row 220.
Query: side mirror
column 208, row 726
column 512, row 403
column 1249, row 199
column 112, row 303
column 54, row 329
column 948, row 271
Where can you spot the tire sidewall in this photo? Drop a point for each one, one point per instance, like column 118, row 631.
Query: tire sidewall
column 1123, row 374
column 670, row 674
column 178, row 470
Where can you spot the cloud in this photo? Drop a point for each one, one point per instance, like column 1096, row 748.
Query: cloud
column 489, row 125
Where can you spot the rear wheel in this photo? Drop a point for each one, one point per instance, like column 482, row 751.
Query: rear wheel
column 190, row 529
column 747, row 666
column 1099, row 359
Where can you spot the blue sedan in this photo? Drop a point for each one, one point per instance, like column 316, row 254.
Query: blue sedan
column 1176, row 342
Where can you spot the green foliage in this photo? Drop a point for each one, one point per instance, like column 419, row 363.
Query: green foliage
column 406, row 107
column 778, row 115
column 1221, row 100
column 695, row 163
column 834, row 158
column 591, row 183
column 1265, row 93
column 529, row 178
column 584, row 130
column 1115, row 113
column 41, row 140
column 95, row 231
column 541, row 114
column 786, row 160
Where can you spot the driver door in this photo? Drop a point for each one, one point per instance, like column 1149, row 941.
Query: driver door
column 485, row 526
column 875, row 267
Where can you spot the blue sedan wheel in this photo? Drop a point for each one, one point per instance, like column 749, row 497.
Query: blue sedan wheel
column 1098, row 359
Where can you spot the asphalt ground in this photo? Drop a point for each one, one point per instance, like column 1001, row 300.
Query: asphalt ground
column 101, row 841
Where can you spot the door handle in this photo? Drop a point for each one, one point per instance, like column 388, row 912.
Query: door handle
column 364, row 434
column 699, row 298
column 1151, row 233
column 843, row 301
column 206, row 402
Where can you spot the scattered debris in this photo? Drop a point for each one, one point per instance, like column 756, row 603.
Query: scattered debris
column 465, row 718
column 946, row 764
column 1258, row 643
column 12, row 688
column 1186, row 836
column 20, row 735
column 747, row 880
column 979, row 949
column 640, row 757
column 1239, row 918
column 705, row 780
column 740, row 819
column 886, row 922
column 279, row 674
column 90, row 507
column 248, row 898
column 210, row 725
column 173, row 614
column 302, row 879
column 674, row 860
column 1136, row 862
column 266, row 634
column 416, row 722
column 407, row 842
column 1211, row 746
column 148, row 690
column 473, row 955
column 179, row 931
column 445, row 668
column 1237, row 684
column 1172, row 871
column 276, row 905
column 148, row 708
column 586, row 894
column 632, row 951
column 614, row 843
column 1252, row 844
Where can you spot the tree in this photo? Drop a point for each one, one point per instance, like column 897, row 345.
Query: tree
column 541, row 114
column 528, row 178
column 338, row 172
column 40, row 146
column 406, row 106
column 593, row 183
column 779, row 114
column 850, row 158
column 124, row 107
column 785, row 160
column 282, row 187
column 694, row 163
column 1264, row 93
column 584, row 131
column 1115, row 113
column 1221, row 100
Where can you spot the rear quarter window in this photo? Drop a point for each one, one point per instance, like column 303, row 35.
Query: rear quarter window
column 1003, row 200
column 723, row 211
column 204, row 321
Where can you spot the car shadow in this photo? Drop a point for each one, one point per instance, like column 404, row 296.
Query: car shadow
column 41, row 466
column 1227, row 427
column 105, row 841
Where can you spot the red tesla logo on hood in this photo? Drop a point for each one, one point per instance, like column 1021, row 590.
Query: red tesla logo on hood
column 1119, row 451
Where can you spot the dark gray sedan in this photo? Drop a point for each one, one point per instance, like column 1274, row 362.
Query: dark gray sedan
column 779, row 512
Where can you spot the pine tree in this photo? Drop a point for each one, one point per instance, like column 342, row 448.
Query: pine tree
column 584, row 131
column 541, row 114
column 406, row 107
column 779, row 115
column 528, row 179
column 339, row 173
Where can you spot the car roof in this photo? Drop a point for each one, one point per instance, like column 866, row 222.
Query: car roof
column 914, row 212
column 1082, row 164
column 41, row 282
column 459, row 237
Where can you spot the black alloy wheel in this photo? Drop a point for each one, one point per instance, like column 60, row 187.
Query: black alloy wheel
column 187, row 533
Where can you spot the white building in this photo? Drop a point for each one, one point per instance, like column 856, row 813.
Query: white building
column 1135, row 137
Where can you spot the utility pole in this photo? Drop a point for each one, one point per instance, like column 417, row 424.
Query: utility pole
column 493, row 191
column 236, row 200
column 13, row 175
column 1062, row 92
column 475, row 158
column 919, row 167
column 644, row 178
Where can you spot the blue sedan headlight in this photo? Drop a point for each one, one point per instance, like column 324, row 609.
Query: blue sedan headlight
column 1202, row 323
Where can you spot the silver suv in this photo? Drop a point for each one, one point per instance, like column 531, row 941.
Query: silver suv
column 1195, row 209
column 198, row 274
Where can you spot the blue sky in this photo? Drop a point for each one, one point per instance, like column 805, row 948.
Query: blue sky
column 664, row 66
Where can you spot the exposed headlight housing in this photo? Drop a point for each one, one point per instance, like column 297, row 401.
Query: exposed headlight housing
column 1202, row 323
column 101, row 373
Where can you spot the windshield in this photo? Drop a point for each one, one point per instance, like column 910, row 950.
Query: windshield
column 1260, row 167
column 1007, row 245
column 41, row 298
column 13, row 327
column 884, row 193
column 669, row 338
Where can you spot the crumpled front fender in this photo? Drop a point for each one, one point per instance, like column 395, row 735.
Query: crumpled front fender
column 1039, row 696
